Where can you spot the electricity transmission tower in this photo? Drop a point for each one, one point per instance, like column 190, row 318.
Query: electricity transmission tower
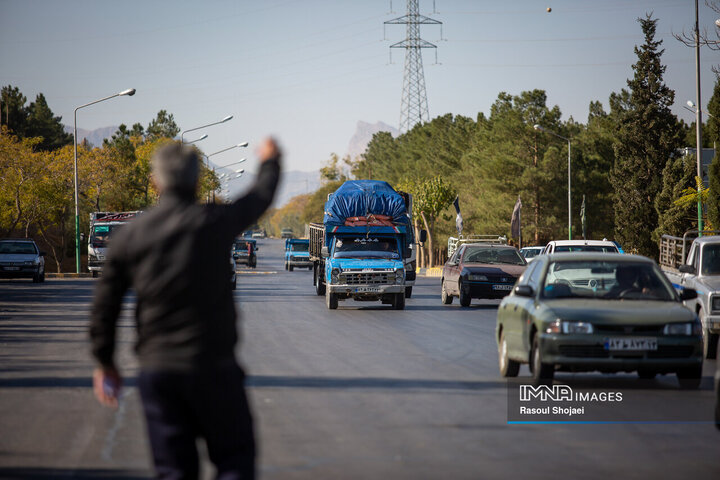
column 414, row 106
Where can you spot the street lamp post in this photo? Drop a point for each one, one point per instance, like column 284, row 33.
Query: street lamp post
column 207, row 159
column 182, row 135
column 196, row 140
column 129, row 92
column 698, row 118
column 541, row 129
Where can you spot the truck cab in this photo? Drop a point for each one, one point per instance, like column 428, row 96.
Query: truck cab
column 102, row 226
column 365, row 268
column 297, row 254
column 699, row 269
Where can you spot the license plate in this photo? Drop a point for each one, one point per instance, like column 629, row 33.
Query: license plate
column 12, row 268
column 502, row 287
column 101, row 257
column 631, row 343
column 367, row 290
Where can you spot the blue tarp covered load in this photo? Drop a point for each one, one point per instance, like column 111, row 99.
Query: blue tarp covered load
column 360, row 198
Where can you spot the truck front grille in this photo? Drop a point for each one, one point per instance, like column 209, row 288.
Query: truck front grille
column 368, row 278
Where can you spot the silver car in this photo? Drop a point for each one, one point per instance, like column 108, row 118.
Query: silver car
column 21, row 258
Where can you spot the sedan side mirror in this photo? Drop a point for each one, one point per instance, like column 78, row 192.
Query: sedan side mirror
column 423, row 236
column 523, row 290
column 324, row 252
column 686, row 269
column 688, row 294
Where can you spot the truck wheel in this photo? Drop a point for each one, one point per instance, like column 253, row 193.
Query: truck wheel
column 543, row 373
column 399, row 301
column 710, row 344
column 444, row 296
column 331, row 300
column 464, row 296
column 290, row 267
column 690, row 377
column 286, row 266
column 508, row 367
column 319, row 286
column 408, row 292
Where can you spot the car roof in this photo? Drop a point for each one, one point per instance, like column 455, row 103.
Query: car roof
column 603, row 243
column 28, row 240
column 534, row 247
column 711, row 239
column 597, row 256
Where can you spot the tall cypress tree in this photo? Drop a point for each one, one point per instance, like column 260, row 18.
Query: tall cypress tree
column 713, row 137
column 648, row 136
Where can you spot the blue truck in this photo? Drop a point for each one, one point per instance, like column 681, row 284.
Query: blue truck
column 361, row 249
column 297, row 254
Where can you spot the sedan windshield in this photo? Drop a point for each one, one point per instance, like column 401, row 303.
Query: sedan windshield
column 366, row 248
column 23, row 248
column 606, row 280
column 507, row 255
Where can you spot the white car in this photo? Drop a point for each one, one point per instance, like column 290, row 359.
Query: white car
column 560, row 246
column 529, row 253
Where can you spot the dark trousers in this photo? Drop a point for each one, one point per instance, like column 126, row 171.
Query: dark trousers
column 211, row 404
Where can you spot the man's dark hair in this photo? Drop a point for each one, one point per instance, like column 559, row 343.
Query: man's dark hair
column 175, row 168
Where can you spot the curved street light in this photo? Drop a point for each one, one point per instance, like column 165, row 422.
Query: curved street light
column 197, row 139
column 182, row 134
column 129, row 93
column 541, row 129
column 207, row 158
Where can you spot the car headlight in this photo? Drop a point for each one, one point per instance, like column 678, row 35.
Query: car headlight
column 715, row 302
column 29, row 262
column 577, row 327
column 685, row 328
column 569, row 327
column 477, row 278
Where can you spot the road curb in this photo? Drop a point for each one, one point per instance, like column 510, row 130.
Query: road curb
column 430, row 272
column 68, row 275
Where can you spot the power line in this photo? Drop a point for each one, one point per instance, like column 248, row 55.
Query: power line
column 414, row 106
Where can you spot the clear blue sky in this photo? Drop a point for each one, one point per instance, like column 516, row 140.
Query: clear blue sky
column 308, row 70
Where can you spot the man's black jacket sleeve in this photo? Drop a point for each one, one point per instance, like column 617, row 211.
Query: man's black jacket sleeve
column 244, row 211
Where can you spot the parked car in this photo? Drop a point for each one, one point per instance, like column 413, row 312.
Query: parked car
column 21, row 258
column 529, row 253
column 559, row 246
column 478, row 270
column 259, row 234
column 286, row 233
column 598, row 311
column 245, row 252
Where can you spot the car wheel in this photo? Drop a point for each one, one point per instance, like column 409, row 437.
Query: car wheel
column 444, row 295
column 233, row 285
column 399, row 301
column 646, row 374
column 464, row 295
column 42, row 277
column 319, row 286
column 508, row 367
column 710, row 344
column 408, row 292
column 331, row 300
column 36, row 278
column 94, row 274
column 690, row 377
column 542, row 372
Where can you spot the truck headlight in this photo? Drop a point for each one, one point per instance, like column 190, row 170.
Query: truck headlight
column 577, row 327
column 477, row 278
column 715, row 302
column 399, row 275
column 685, row 328
column 334, row 274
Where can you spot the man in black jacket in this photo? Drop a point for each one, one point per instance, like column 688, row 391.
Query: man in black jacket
column 176, row 259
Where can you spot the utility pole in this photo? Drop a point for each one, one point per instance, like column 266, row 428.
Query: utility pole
column 414, row 106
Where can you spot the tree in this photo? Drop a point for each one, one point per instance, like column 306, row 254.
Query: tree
column 13, row 112
column 163, row 126
column 676, row 217
column 42, row 122
column 713, row 137
column 648, row 135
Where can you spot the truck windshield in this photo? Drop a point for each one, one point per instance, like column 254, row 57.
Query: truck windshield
column 100, row 235
column 606, row 280
column 711, row 259
column 366, row 248
column 299, row 247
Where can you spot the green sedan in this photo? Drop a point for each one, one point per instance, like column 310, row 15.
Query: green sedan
column 598, row 311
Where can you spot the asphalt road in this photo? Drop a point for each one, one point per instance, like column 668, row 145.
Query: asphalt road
column 362, row 392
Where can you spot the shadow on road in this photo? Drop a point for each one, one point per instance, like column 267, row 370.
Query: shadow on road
column 36, row 473
column 56, row 382
column 343, row 383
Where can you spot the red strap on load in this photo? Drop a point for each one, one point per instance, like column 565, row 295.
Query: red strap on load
column 371, row 220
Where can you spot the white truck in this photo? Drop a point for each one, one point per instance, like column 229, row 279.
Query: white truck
column 694, row 262
column 102, row 224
